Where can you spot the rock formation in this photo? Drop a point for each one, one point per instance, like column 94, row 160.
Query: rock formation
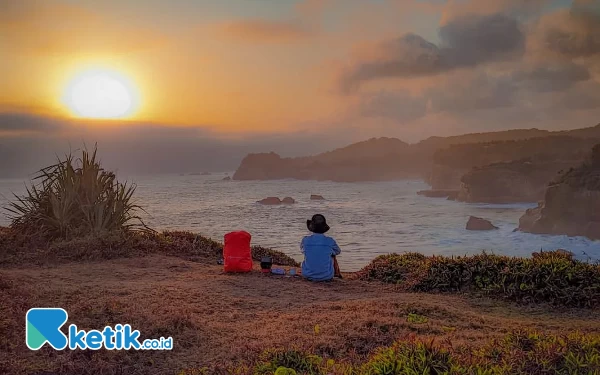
column 273, row 201
column 452, row 163
column 571, row 204
column 270, row 201
column 316, row 197
column 477, row 223
column 512, row 182
column 226, row 178
column 440, row 161
column 442, row 193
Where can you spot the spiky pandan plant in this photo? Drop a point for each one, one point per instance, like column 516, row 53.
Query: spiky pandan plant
column 76, row 197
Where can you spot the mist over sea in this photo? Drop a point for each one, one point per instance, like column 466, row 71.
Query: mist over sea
column 367, row 219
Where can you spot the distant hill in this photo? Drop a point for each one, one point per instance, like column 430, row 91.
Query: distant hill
column 371, row 160
column 379, row 159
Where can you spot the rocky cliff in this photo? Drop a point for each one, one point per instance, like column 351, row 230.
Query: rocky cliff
column 440, row 161
column 476, row 161
column 511, row 182
column 571, row 204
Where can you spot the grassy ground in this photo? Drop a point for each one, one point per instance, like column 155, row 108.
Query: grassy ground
column 217, row 318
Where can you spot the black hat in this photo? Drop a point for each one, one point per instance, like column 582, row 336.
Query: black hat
column 317, row 224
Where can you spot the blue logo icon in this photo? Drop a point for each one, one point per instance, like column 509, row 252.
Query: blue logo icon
column 43, row 326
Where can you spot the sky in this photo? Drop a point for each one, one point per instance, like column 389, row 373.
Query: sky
column 214, row 80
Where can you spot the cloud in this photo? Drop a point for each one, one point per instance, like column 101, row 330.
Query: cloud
column 459, row 8
column 51, row 27
column 551, row 76
column 574, row 34
column 465, row 42
column 18, row 124
column 399, row 106
column 138, row 148
column 312, row 8
column 583, row 97
column 473, row 92
column 263, row 31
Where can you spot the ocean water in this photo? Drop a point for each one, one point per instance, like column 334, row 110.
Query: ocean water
column 367, row 219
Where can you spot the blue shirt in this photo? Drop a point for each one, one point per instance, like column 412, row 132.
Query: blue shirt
column 318, row 250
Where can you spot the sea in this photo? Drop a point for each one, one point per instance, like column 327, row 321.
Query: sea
column 367, row 219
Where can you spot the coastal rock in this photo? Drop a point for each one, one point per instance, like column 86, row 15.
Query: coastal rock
column 509, row 170
column 315, row 197
column 512, row 182
column 270, row 201
column 226, row 178
column 288, row 200
column 477, row 223
column 571, row 204
column 439, row 193
column 440, row 161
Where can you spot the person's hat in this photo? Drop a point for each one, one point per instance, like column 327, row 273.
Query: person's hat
column 317, row 224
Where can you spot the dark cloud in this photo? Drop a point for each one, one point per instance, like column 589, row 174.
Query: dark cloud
column 551, row 77
column 465, row 42
column 23, row 123
column 400, row 106
column 133, row 148
column 577, row 36
column 464, row 94
column 471, row 40
column 584, row 97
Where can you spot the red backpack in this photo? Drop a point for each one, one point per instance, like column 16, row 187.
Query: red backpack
column 237, row 256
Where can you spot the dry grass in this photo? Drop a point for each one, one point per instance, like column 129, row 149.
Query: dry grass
column 218, row 318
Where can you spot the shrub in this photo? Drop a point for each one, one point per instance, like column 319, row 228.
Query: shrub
column 75, row 197
column 272, row 361
column 519, row 352
column 547, row 277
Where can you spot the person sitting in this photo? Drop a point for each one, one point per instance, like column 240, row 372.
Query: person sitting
column 319, row 251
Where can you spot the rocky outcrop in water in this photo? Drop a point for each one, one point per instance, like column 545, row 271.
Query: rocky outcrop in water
column 477, row 223
column 442, row 193
column 571, row 204
column 316, row 197
column 274, row 201
column 270, row 201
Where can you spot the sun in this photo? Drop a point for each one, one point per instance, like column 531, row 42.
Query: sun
column 100, row 94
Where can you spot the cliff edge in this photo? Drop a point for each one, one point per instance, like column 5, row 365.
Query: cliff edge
column 571, row 204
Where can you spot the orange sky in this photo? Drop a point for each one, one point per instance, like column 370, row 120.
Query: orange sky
column 249, row 66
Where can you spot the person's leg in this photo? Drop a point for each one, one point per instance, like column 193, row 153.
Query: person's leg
column 336, row 268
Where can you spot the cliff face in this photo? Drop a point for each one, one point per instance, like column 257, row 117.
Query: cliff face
column 512, row 182
column 571, row 204
column 477, row 160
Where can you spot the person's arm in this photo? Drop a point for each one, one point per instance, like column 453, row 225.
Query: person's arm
column 335, row 248
column 302, row 245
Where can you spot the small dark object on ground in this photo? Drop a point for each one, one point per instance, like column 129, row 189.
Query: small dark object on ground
column 266, row 263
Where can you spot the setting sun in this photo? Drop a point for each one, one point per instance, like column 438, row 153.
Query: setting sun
column 100, row 94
